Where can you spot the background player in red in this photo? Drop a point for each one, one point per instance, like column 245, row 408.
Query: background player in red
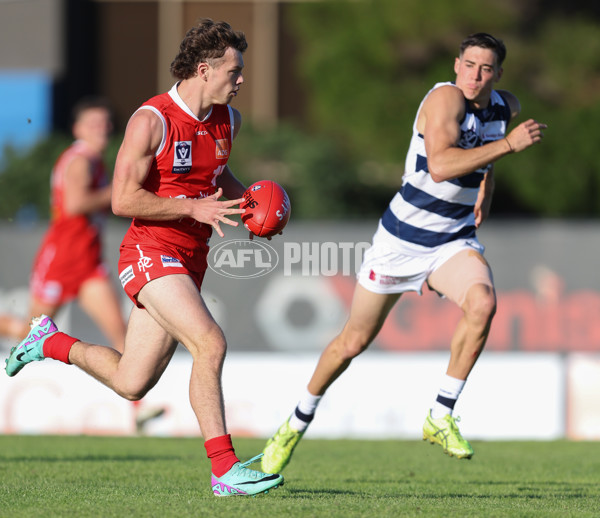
column 170, row 173
column 69, row 263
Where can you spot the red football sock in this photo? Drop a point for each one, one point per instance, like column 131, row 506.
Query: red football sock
column 221, row 454
column 58, row 346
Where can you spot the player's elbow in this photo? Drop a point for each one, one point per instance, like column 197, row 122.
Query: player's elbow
column 437, row 175
column 118, row 207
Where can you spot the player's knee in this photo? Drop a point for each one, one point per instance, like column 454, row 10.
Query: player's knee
column 353, row 344
column 209, row 348
column 133, row 392
column 481, row 307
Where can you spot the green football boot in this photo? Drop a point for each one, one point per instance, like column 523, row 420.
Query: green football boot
column 444, row 431
column 241, row 481
column 279, row 448
column 32, row 348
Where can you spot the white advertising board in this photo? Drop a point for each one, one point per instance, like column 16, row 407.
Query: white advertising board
column 382, row 395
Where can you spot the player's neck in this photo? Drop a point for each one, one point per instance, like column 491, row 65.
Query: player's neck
column 479, row 104
column 191, row 95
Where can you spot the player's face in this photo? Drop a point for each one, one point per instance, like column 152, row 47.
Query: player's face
column 94, row 125
column 476, row 74
column 225, row 76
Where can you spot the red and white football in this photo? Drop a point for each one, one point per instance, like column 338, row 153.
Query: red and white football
column 267, row 208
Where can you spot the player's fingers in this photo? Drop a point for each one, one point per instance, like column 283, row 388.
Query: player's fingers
column 218, row 193
column 232, row 211
column 228, row 221
column 216, row 226
column 231, row 203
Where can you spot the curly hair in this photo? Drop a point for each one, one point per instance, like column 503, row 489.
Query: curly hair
column 485, row 41
column 205, row 43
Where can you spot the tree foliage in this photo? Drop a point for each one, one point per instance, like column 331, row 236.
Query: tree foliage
column 365, row 66
column 368, row 64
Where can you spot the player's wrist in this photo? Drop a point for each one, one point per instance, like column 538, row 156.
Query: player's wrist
column 510, row 148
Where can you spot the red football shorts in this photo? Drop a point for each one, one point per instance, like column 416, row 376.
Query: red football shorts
column 59, row 270
column 141, row 263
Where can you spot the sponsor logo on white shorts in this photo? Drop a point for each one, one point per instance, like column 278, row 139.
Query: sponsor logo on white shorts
column 385, row 280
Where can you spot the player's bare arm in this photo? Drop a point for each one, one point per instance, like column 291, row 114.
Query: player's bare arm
column 525, row 134
column 231, row 186
column 484, row 198
column 129, row 198
column 80, row 197
column 442, row 112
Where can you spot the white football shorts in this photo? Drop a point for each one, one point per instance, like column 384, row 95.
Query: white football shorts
column 394, row 266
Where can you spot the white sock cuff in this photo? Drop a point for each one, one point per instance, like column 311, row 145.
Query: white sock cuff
column 308, row 403
column 451, row 387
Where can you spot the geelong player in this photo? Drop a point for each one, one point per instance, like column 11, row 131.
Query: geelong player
column 428, row 235
column 170, row 173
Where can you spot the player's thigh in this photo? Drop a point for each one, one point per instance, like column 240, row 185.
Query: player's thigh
column 465, row 270
column 98, row 298
column 368, row 312
column 148, row 349
column 176, row 304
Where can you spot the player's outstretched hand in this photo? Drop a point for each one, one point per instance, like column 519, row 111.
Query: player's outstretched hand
column 526, row 134
column 214, row 212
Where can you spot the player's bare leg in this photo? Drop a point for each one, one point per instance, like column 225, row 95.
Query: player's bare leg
column 465, row 279
column 175, row 303
column 148, row 350
column 472, row 330
column 367, row 314
column 98, row 299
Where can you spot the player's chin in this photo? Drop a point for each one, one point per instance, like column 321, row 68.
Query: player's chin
column 229, row 98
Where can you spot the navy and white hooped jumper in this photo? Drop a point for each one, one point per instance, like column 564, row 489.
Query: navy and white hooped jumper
column 429, row 214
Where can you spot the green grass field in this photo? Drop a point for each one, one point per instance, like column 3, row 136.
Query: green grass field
column 156, row 477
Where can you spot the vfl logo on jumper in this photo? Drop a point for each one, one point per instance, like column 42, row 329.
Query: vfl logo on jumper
column 242, row 259
column 222, row 149
column 168, row 261
column 182, row 159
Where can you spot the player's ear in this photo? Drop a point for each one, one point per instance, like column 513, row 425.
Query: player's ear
column 202, row 70
column 456, row 65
